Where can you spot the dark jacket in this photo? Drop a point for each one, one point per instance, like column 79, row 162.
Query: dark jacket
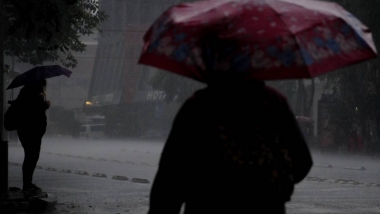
column 32, row 110
column 197, row 169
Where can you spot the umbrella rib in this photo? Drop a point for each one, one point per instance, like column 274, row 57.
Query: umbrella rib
column 197, row 14
column 291, row 33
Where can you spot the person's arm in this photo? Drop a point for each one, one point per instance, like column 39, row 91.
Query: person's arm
column 43, row 104
column 293, row 137
column 169, row 187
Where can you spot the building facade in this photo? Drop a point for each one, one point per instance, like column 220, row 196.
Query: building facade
column 120, row 88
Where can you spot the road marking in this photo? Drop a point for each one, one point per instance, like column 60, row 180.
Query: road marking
column 14, row 164
column 99, row 159
column 323, row 165
column 65, row 171
column 51, row 169
column 99, row 175
column 140, row 180
column 120, row 178
column 355, row 167
column 81, row 173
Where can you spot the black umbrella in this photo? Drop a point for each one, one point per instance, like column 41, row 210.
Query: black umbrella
column 39, row 73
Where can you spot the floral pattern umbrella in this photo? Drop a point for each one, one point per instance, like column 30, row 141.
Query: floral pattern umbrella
column 262, row 39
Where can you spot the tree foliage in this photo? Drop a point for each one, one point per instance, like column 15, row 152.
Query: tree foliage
column 48, row 30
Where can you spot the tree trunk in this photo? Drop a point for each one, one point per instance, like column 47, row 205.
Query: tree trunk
column 309, row 99
column 300, row 100
column 3, row 144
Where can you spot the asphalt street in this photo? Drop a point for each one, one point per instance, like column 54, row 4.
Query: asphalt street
column 115, row 176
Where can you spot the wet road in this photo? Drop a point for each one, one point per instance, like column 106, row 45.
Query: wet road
column 90, row 177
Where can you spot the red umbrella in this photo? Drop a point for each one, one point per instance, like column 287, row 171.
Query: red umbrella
column 262, row 39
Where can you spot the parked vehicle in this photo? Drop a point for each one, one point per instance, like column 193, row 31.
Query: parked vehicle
column 92, row 131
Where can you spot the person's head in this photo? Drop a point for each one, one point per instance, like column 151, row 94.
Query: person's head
column 217, row 55
column 34, row 88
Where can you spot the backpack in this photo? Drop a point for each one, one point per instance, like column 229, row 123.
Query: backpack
column 264, row 155
column 11, row 117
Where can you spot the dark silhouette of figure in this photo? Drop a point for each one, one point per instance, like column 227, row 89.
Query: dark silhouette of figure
column 235, row 147
column 32, row 126
column 355, row 142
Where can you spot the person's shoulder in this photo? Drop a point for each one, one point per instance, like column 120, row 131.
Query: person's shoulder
column 198, row 96
column 275, row 93
column 195, row 101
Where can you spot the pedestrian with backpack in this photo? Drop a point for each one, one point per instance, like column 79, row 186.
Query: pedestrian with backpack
column 31, row 122
column 235, row 147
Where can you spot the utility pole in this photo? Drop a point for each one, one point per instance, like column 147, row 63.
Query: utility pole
column 3, row 143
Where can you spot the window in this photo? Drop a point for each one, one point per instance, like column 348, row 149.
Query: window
column 97, row 128
column 83, row 128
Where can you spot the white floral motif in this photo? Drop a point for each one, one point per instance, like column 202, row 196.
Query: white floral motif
column 273, row 24
column 259, row 61
column 299, row 58
column 318, row 54
column 205, row 22
column 241, row 30
column 289, row 43
column 346, row 45
column 260, row 31
column 164, row 46
column 222, row 66
column 197, row 58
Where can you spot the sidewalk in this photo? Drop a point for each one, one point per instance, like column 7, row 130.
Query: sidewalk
column 342, row 160
column 18, row 202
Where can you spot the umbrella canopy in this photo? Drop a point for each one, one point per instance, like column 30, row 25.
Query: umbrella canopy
column 262, row 39
column 38, row 73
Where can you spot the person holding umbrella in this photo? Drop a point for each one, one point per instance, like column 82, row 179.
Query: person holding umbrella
column 31, row 105
column 236, row 147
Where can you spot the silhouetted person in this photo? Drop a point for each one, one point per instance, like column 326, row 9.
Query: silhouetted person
column 235, row 147
column 32, row 127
